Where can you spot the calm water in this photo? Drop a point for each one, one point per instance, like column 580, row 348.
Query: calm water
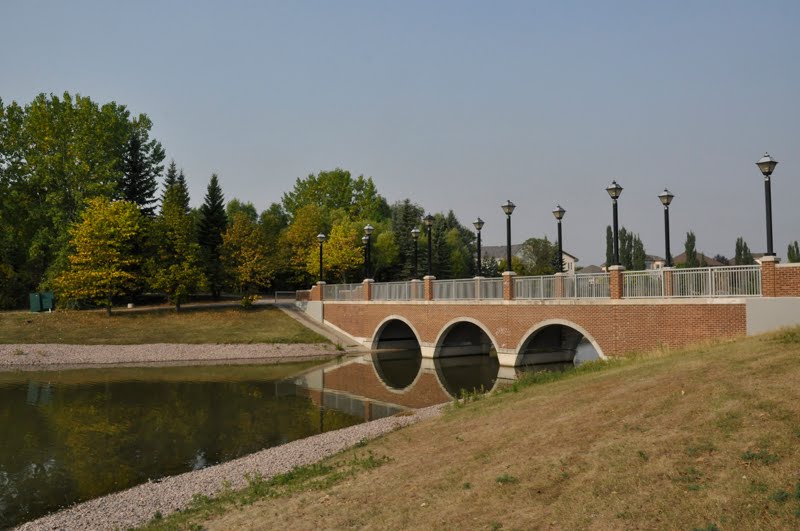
column 69, row 436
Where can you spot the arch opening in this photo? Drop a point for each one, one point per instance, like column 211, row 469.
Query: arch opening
column 557, row 347
column 466, row 359
column 397, row 355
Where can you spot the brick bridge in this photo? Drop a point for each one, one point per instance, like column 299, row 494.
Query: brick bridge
column 553, row 319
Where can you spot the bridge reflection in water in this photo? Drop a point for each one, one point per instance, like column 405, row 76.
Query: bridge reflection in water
column 395, row 377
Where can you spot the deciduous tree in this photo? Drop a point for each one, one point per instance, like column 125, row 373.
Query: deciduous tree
column 246, row 257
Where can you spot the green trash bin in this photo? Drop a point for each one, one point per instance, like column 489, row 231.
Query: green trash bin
column 48, row 301
column 36, row 302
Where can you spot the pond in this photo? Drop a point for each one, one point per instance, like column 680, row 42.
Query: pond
column 73, row 435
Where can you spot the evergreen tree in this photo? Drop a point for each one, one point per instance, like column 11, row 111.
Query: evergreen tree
column 743, row 256
column 609, row 245
column 213, row 223
column 405, row 216
column 182, row 191
column 793, row 253
column 170, row 178
column 691, row 251
column 141, row 166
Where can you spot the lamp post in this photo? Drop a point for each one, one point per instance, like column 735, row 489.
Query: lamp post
column 767, row 165
column 508, row 208
column 559, row 212
column 415, row 236
column 429, row 224
column 478, row 224
column 321, row 239
column 614, row 190
column 368, row 233
column 666, row 199
column 365, row 241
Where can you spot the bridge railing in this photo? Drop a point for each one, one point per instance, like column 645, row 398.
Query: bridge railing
column 454, row 289
column 540, row 287
column 397, row 291
column 590, row 285
column 643, row 284
column 491, row 288
column 343, row 292
column 728, row 281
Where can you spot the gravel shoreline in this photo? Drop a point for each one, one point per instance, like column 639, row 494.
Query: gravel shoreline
column 137, row 505
column 37, row 357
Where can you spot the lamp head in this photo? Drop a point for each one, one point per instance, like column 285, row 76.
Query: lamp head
column 428, row 220
column 559, row 212
column 415, row 233
column 368, row 229
column 614, row 190
column 508, row 207
column 665, row 197
column 766, row 164
column 478, row 224
column 321, row 237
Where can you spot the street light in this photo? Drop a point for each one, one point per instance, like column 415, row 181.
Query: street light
column 767, row 165
column 368, row 233
column 666, row 199
column 508, row 208
column 559, row 212
column 478, row 224
column 429, row 224
column 415, row 235
column 321, row 239
column 614, row 190
column 365, row 241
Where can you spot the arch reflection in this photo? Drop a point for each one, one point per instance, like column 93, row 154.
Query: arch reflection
column 398, row 357
column 466, row 360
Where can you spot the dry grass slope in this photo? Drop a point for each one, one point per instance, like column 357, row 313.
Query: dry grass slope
column 706, row 438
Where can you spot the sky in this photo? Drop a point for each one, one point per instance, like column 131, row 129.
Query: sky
column 457, row 105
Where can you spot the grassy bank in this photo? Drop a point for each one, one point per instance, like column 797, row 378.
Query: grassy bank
column 264, row 324
column 705, row 438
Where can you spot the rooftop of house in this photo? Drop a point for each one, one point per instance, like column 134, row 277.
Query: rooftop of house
column 498, row 252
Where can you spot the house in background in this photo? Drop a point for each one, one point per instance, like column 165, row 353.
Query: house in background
column 591, row 269
column 498, row 252
column 701, row 258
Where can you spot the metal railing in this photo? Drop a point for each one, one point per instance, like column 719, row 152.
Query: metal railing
column 454, row 289
column 343, row 292
column 643, row 284
column 491, row 288
column 589, row 285
column 541, row 287
column 397, row 291
column 728, row 281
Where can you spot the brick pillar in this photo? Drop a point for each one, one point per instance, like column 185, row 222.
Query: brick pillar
column 559, row 287
column 428, row 289
column 508, row 285
column 367, row 289
column 616, row 284
column 317, row 292
column 769, row 281
column 667, row 272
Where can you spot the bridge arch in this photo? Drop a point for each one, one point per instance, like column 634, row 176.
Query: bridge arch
column 465, row 356
column 396, row 353
column 557, row 342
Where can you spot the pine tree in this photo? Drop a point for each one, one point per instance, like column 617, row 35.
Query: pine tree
column 182, row 191
column 141, row 166
column 213, row 223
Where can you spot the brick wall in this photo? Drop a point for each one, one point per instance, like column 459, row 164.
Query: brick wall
column 617, row 327
column 787, row 280
column 359, row 379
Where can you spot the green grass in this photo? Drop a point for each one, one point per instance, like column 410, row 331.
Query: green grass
column 314, row 477
column 263, row 324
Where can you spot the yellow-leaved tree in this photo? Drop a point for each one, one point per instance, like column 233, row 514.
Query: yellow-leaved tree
column 245, row 255
column 102, row 261
column 342, row 253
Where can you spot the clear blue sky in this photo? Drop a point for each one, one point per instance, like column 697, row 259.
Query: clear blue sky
column 456, row 105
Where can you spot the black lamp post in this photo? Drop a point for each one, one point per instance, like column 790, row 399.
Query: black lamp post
column 615, row 190
column 767, row 165
column 365, row 241
column 368, row 233
column 415, row 235
column 478, row 224
column 429, row 224
column 666, row 199
column 559, row 212
column 321, row 239
column 508, row 208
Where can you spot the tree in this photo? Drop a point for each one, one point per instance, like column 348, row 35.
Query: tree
column 539, row 257
column 213, row 223
column 141, row 166
column 246, row 257
column 406, row 216
column 722, row 259
column 342, row 256
column 639, row 257
column 336, row 189
column 793, row 253
column 235, row 206
column 300, row 237
column 102, row 258
column 691, row 251
column 176, row 268
column 609, row 246
column 742, row 255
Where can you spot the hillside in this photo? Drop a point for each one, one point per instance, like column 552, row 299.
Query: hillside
column 705, row 438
